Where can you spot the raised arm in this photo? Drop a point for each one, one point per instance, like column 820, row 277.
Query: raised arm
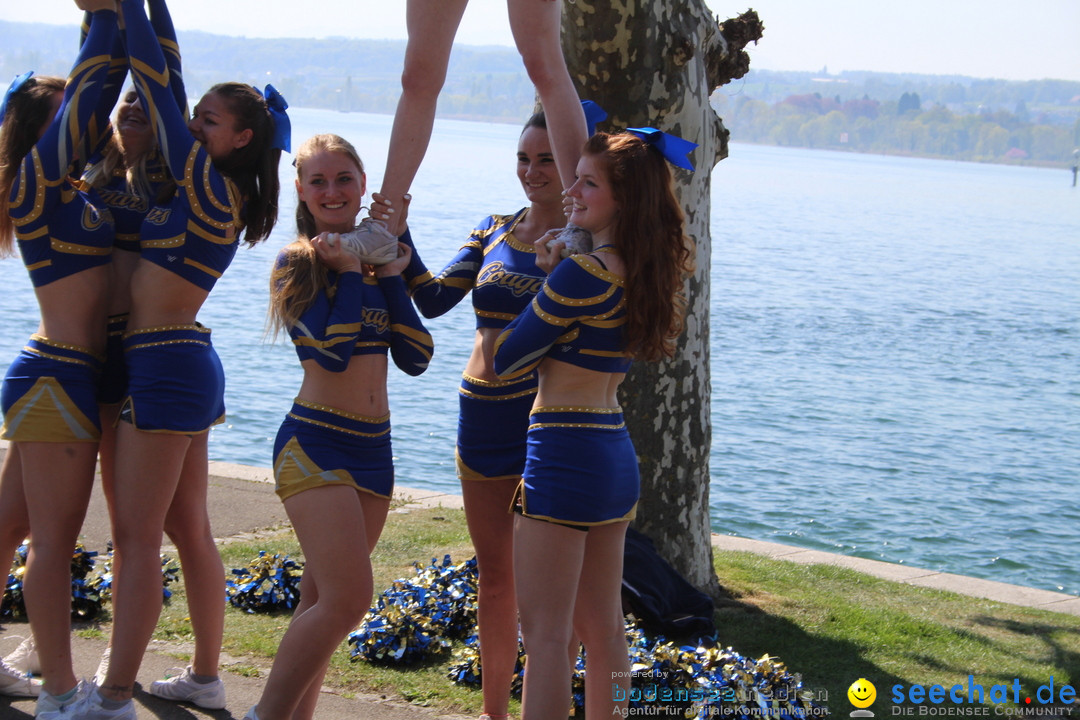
column 411, row 345
column 55, row 152
column 100, row 129
column 162, row 23
column 435, row 295
column 328, row 330
column 572, row 293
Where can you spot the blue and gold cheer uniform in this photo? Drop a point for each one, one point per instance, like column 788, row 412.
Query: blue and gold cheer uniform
column 501, row 272
column 319, row 445
column 48, row 393
column 125, row 203
column 194, row 235
column 581, row 468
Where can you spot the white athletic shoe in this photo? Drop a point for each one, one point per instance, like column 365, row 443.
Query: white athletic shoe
column 575, row 240
column 90, row 707
column 49, row 706
column 371, row 242
column 25, row 658
column 184, row 688
column 250, row 714
column 17, row 684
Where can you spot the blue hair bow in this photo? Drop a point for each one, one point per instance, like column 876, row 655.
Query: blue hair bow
column 673, row 147
column 282, row 127
column 17, row 83
column 593, row 114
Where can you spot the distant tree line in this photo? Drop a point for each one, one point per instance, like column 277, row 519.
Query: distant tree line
column 962, row 122
column 929, row 115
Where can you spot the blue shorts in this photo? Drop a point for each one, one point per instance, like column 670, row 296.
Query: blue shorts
column 318, row 446
column 50, row 394
column 113, row 384
column 493, row 419
column 581, row 467
column 175, row 380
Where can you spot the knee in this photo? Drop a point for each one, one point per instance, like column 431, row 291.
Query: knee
column 422, row 80
column 544, row 69
column 346, row 610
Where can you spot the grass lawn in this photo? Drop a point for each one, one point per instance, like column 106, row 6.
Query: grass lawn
column 831, row 625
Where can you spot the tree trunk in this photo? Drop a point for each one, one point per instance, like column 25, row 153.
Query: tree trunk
column 655, row 64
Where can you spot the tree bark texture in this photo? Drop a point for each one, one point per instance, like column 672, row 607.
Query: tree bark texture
column 655, row 63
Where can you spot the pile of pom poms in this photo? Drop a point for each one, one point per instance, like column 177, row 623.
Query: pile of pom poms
column 91, row 583
column 268, row 584
column 415, row 620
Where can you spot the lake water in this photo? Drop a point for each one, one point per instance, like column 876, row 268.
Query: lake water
column 894, row 347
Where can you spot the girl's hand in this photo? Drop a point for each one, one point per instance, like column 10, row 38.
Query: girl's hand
column 547, row 258
column 331, row 254
column 567, row 205
column 398, row 264
column 394, row 218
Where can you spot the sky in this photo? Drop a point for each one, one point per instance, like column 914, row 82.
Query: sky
column 977, row 38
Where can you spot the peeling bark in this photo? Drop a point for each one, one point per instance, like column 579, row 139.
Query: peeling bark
column 655, row 64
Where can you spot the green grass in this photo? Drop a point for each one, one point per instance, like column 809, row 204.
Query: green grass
column 831, row 625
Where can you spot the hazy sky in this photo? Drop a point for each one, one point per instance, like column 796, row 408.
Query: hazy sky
column 979, row 38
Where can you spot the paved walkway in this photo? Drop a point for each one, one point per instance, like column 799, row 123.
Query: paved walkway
column 242, row 506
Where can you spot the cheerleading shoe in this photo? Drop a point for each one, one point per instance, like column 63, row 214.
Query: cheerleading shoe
column 51, row 706
column 575, row 240
column 92, row 707
column 371, row 242
column 17, row 684
column 184, row 688
column 24, row 658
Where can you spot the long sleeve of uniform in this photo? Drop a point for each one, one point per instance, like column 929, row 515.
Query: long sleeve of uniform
column 100, row 129
column 37, row 185
column 214, row 202
column 162, row 23
column 411, row 345
column 576, row 317
column 327, row 332
column 435, row 295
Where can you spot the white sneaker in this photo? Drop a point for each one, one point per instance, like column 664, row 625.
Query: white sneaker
column 89, row 707
column 103, row 667
column 575, row 240
column 250, row 714
column 371, row 242
column 184, row 688
column 25, row 658
column 17, row 684
column 49, row 706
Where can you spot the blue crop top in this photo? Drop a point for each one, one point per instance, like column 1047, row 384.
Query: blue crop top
column 577, row 318
column 361, row 315
column 60, row 225
column 499, row 269
column 195, row 234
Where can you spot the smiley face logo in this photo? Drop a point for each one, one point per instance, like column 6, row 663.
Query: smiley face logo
column 862, row 693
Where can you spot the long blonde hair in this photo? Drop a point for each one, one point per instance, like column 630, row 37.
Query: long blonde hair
column 299, row 277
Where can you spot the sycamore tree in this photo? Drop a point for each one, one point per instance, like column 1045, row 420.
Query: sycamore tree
column 655, row 63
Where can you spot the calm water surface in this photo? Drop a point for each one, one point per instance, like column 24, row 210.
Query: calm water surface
column 894, row 347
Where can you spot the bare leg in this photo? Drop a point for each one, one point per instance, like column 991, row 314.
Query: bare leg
column 14, row 518
column 546, row 595
column 57, row 480
column 432, row 25
column 148, row 471
column 188, row 526
column 598, row 619
column 491, row 526
column 331, row 525
column 537, row 28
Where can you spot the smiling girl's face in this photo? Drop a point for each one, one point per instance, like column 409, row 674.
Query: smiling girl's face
column 333, row 187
